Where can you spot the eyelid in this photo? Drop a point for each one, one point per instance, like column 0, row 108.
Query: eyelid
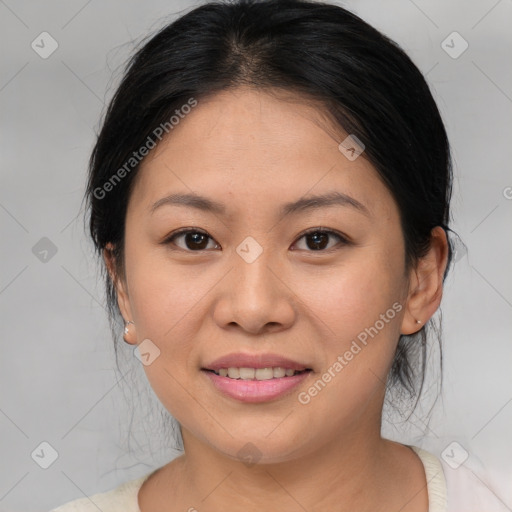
column 344, row 240
column 183, row 231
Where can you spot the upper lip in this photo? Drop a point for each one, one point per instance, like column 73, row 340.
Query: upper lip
column 240, row 360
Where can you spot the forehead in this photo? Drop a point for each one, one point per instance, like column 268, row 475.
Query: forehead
column 247, row 144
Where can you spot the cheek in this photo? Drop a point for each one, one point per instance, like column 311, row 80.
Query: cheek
column 357, row 312
column 352, row 296
column 161, row 293
column 166, row 300
column 357, row 317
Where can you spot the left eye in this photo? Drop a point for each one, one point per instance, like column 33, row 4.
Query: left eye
column 195, row 240
column 318, row 239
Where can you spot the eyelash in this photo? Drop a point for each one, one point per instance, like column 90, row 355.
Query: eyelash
column 342, row 239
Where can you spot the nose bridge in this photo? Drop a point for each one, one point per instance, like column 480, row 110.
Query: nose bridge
column 255, row 296
column 253, row 273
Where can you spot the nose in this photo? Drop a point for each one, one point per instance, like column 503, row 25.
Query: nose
column 255, row 297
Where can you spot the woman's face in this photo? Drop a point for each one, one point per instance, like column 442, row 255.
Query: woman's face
column 247, row 280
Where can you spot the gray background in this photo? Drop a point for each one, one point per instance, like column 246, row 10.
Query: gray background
column 58, row 380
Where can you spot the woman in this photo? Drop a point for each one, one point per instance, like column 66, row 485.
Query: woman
column 270, row 192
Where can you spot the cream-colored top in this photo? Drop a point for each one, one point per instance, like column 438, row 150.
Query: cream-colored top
column 448, row 491
column 436, row 482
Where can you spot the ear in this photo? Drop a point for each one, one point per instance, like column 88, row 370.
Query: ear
column 426, row 284
column 123, row 299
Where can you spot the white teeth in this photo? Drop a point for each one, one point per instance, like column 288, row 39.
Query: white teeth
column 246, row 373
column 255, row 373
column 264, row 373
column 233, row 373
column 279, row 372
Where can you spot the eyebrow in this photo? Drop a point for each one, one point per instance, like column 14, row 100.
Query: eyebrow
column 192, row 200
column 321, row 201
column 303, row 204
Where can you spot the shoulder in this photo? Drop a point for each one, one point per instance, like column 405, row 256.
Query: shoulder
column 121, row 499
column 471, row 488
column 459, row 481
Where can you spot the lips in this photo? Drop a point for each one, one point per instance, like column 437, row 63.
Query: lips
column 241, row 376
column 241, row 360
column 255, row 391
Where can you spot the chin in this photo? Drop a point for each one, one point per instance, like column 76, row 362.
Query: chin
column 258, row 449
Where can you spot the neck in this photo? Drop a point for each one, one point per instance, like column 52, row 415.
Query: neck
column 334, row 471
column 357, row 470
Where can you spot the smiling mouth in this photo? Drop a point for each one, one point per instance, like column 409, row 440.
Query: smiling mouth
column 258, row 374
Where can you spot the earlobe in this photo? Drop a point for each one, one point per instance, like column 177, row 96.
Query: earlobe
column 410, row 325
column 128, row 336
column 426, row 284
column 123, row 299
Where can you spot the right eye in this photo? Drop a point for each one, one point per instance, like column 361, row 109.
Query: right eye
column 194, row 239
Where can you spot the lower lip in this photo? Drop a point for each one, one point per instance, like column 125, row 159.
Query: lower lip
column 255, row 390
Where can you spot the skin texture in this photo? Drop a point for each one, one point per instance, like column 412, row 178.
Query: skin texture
column 253, row 151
